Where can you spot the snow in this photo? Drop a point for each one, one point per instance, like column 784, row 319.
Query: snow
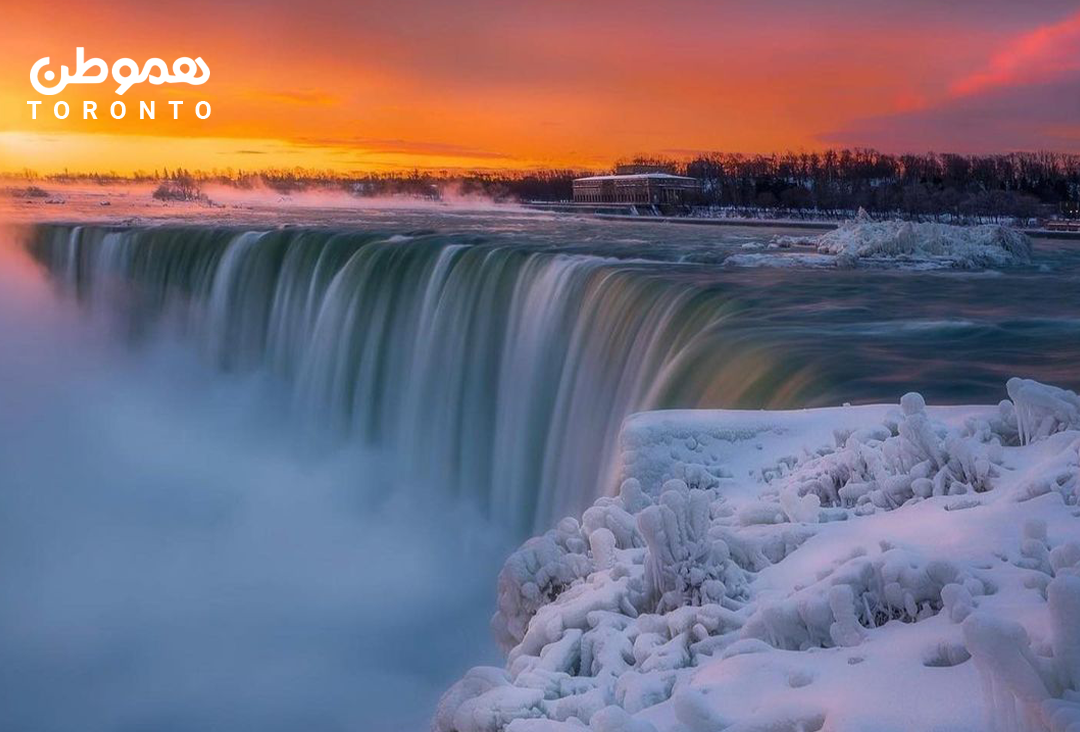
column 639, row 176
column 851, row 569
column 864, row 242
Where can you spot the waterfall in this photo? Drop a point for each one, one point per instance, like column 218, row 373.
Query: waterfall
column 499, row 371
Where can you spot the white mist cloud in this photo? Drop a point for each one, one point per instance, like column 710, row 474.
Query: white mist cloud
column 174, row 557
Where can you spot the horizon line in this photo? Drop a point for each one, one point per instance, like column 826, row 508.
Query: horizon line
column 442, row 171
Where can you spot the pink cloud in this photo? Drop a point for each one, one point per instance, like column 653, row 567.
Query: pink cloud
column 1038, row 56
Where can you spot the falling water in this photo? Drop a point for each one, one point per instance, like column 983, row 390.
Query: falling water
column 497, row 372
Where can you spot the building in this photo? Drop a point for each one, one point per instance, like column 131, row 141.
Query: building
column 638, row 188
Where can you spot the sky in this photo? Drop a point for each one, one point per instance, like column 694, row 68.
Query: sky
column 375, row 85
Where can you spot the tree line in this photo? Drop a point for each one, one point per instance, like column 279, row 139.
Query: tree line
column 1016, row 185
column 829, row 183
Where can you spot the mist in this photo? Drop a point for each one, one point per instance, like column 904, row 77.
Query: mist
column 177, row 555
column 79, row 201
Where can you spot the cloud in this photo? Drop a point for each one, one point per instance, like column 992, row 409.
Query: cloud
column 1042, row 116
column 1040, row 55
column 1026, row 96
column 376, row 145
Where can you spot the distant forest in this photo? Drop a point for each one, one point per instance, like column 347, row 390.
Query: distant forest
column 832, row 183
column 1018, row 185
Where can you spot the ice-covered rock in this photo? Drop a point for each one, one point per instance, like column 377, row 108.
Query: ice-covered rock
column 536, row 574
column 968, row 247
column 684, row 564
column 958, row 601
column 1013, row 685
column 1043, row 410
column 616, row 719
column 861, row 594
column 845, row 629
column 1021, row 689
column 484, row 701
column 882, row 469
column 1063, row 597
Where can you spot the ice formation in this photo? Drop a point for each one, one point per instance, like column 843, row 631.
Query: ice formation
column 863, row 240
column 756, row 567
column 1023, row 690
column 1042, row 410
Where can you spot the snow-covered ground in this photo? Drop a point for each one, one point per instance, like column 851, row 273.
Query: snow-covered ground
column 864, row 242
column 847, row 569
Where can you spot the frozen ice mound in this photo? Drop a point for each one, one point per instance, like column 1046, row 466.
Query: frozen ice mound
column 968, row 247
column 863, row 241
column 755, row 568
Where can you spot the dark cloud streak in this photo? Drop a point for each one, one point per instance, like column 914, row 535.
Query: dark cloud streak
column 1036, row 117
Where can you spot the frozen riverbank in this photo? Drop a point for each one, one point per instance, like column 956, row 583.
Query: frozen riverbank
column 805, row 570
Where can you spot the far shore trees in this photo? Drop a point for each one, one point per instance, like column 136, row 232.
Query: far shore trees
column 829, row 184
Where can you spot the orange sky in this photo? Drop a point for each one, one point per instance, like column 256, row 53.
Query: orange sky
column 356, row 85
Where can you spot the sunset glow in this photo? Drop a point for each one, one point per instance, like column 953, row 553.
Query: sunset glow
column 483, row 85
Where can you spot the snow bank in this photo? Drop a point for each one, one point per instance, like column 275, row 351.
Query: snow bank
column 863, row 241
column 805, row 570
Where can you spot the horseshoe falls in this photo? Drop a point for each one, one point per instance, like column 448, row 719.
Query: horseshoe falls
column 502, row 374
column 263, row 477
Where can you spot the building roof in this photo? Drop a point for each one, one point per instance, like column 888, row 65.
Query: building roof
column 637, row 176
